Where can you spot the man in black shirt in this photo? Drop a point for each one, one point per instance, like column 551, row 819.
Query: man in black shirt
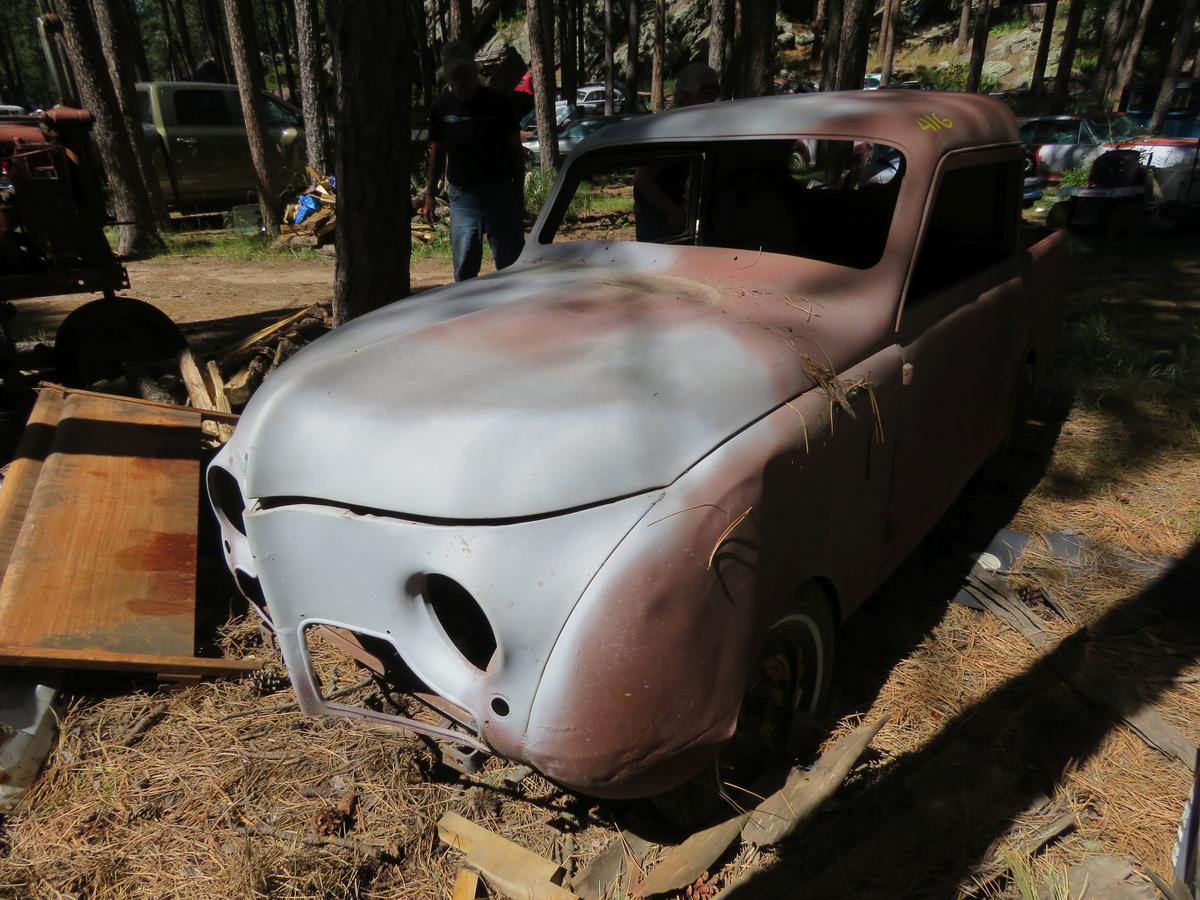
column 474, row 130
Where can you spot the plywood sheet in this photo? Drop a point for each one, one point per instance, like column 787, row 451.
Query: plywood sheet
column 102, row 572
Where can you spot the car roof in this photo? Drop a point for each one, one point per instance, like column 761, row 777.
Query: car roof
column 935, row 121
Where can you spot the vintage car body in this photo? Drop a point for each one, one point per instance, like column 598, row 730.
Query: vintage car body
column 620, row 461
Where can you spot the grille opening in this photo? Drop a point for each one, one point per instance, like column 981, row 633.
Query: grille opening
column 227, row 497
column 462, row 619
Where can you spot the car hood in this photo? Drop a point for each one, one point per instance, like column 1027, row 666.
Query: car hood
column 544, row 388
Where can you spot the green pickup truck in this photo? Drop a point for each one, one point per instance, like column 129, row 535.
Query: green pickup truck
column 197, row 138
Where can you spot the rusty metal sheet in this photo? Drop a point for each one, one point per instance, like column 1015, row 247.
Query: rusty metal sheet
column 101, row 566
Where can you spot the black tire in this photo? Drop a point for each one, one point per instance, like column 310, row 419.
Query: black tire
column 789, row 688
column 95, row 341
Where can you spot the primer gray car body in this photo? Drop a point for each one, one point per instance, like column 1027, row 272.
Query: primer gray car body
column 618, row 462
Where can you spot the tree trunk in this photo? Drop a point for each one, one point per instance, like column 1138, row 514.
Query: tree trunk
column 1036, row 84
column 185, row 39
column 964, row 27
column 263, row 14
column 169, row 42
column 128, row 20
column 657, row 100
column 820, row 15
column 1179, row 49
column 543, row 85
column 580, row 48
column 856, row 42
column 424, row 51
column 632, row 46
column 243, row 49
column 374, row 236
column 136, row 234
column 285, row 47
column 461, row 28
column 567, row 61
column 311, row 96
column 833, row 44
column 979, row 44
column 885, row 25
column 114, row 44
column 1066, row 59
column 218, row 43
column 608, row 57
column 1104, row 59
column 718, row 42
column 751, row 61
column 1129, row 54
column 889, row 50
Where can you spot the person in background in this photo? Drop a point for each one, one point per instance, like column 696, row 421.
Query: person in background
column 473, row 136
column 659, row 192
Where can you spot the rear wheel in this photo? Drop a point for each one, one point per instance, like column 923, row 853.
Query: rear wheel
column 789, row 687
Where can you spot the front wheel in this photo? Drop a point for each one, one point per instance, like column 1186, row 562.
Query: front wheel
column 789, row 687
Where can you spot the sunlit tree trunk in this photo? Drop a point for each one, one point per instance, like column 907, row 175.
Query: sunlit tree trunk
column 461, row 27
column 889, row 50
column 964, row 27
column 311, row 96
column 856, row 39
column 718, row 42
column 246, row 66
column 1036, row 84
column 979, row 45
column 1129, row 55
column 832, row 47
column 374, row 236
column 608, row 57
column 632, row 46
column 1108, row 41
column 136, row 233
column 753, row 53
column 542, row 67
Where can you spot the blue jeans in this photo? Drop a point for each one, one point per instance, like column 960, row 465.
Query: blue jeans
column 494, row 209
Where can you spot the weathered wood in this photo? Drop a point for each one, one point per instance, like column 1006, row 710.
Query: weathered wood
column 194, row 382
column 244, row 349
column 608, row 872
column 508, row 868
column 220, row 399
column 804, row 793
column 102, row 573
column 23, row 471
column 466, row 885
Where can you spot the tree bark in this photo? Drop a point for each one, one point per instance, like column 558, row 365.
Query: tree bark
column 1104, row 59
column 1179, row 49
column 751, row 62
column 889, row 50
column 820, row 16
column 543, row 85
column 979, row 44
column 1129, row 54
column 136, row 234
column 833, row 44
column 964, row 27
column 856, row 42
column 129, row 21
column 243, row 49
column 218, row 43
column 567, row 64
column 185, row 39
column 580, row 45
column 608, row 57
column 885, row 25
column 285, row 48
column 718, row 42
column 169, row 42
column 114, row 44
column 632, row 47
column 374, row 237
column 1037, row 82
column 461, row 27
column 657, row 99
column 263, row 14
column 316, row 124
column 428, row 67
column 1066, row 59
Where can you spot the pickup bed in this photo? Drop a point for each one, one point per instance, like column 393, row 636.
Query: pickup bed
column 197, row 136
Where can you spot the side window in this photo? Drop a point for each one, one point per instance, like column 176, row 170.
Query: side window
column 972, row 226
column 144, row 110
column 202, row 107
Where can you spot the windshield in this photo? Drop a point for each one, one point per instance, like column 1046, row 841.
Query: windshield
column 1116, row 128
column 826, row 200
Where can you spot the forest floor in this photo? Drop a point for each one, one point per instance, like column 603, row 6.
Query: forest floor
column 984, row 745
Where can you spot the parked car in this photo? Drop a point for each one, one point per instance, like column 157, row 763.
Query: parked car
column 1183, row 116
column 1073, row 141
column 565, row 114
column 590, row 99
column 570, row 137
column 604, row 508
column 197, row 137
column 8, row 110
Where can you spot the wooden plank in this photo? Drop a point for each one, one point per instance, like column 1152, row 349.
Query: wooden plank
column 104, row 564
column 466, row 885
column 96, row 658
column 25, row 468
column 213, row 414
column 510, row 869
column 216, row 385
column 194, row 381
column 608, row 872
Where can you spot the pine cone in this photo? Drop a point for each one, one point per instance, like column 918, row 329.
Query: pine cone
column 268, row 681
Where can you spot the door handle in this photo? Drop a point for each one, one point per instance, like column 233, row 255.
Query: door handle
column 906, row 374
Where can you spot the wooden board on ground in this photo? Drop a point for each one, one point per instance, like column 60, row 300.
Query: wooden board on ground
column 508, row 868
column 100, row 539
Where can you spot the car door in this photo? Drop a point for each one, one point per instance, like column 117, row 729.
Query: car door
column 154, row 137
column 207, row 144
column 961, row 332
column 285, row 127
